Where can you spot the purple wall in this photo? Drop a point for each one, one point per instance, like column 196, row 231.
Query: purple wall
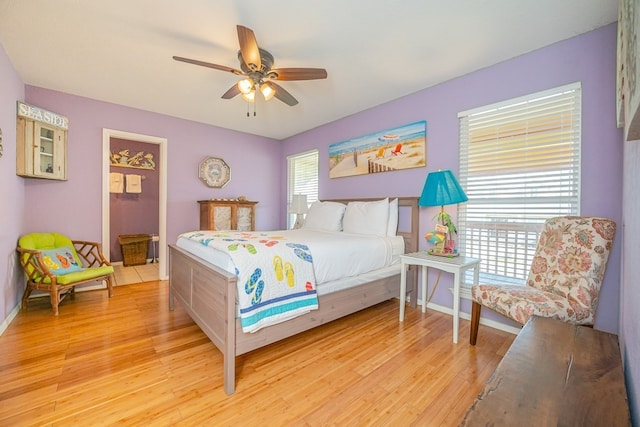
column 589, row 58
column 249, row 157
column 12, row 208
column 134, row 213
column 630, row 295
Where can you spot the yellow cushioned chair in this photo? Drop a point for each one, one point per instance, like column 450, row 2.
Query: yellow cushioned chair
column 52, row 262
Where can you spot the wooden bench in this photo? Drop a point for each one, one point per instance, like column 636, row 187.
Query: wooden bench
column 555, row 374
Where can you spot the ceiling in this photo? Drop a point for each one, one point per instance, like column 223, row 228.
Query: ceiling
column 374, row 51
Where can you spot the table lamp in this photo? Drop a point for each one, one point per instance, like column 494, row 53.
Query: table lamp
column 442, row 188
column 299, row 207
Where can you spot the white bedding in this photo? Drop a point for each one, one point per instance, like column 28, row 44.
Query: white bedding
column 336, row 255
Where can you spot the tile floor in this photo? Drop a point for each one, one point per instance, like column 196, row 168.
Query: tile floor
column 135, row 274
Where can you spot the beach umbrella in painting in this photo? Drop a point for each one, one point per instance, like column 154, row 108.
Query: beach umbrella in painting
column 387, row 140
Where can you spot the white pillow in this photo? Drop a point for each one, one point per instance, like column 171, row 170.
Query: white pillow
column 392, row 225
column 325, row 216
column 367, row 218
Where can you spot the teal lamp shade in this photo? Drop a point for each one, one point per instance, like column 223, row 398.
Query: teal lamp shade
column 442, row 188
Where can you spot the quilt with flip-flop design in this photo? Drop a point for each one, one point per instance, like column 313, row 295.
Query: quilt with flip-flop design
column 276, row 280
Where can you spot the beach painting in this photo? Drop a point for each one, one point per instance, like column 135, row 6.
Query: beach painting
column 403, row 147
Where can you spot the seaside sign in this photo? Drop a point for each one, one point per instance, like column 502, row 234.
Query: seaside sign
column 42, row 115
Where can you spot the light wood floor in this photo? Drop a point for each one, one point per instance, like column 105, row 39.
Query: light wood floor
column 129, row 360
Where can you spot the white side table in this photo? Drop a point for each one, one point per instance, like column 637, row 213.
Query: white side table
column 456, row 265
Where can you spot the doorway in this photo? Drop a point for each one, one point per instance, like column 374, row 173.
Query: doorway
column 161, row 164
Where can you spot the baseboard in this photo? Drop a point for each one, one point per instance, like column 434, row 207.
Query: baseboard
column 84, row 288
column 121, row 263
column 42, row 294
column 12, row 314
column 487, row 322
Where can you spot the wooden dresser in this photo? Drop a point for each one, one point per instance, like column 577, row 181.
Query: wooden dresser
column 555, row 374
column 227, row 215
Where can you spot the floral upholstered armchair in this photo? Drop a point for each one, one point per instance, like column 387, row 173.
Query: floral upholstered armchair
column 565, row 276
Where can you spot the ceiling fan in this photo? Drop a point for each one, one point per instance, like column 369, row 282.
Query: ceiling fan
column 255, row 65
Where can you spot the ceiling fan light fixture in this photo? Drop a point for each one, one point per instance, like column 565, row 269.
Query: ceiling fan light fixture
column 246, row 86
column 267, row 90
column 249, row 97
column 256, row 72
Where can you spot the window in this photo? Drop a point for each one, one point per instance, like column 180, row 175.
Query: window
column 302, row 178
column 519, row 165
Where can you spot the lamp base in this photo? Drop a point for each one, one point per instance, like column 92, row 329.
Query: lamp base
column 299, row 221
column 444, row 254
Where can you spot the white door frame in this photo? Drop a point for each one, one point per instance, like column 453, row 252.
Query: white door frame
column 107, row 134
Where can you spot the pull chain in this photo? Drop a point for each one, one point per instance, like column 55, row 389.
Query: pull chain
column 249, row 107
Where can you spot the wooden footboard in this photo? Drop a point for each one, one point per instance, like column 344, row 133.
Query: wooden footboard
column 330, row 307
column 208, row 294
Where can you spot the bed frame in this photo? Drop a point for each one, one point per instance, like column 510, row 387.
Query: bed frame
column 208, row 294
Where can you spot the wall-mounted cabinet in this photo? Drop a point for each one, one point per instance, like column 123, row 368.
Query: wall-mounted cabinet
column 227, row 215
column 41, row 140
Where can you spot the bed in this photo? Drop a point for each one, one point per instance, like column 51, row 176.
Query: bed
column 209, row 294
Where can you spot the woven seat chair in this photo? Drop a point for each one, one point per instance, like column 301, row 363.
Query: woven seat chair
column 565, row 276
column 54, row 263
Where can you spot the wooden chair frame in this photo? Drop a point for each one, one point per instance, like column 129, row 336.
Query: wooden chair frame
column 37, row 273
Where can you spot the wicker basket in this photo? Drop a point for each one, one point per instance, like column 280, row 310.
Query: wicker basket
column 135, row 248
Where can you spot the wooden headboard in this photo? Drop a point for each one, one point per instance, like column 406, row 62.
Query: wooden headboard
column 410, row 204
column 411, row 237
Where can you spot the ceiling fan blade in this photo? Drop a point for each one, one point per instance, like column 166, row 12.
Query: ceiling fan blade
column 208, row 64
column 298, row 74
column 249, row 48
column 283, row 95
column 233, row 91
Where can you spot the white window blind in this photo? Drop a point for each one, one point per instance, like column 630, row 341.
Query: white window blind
column 519, row 165
column 302, row 179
